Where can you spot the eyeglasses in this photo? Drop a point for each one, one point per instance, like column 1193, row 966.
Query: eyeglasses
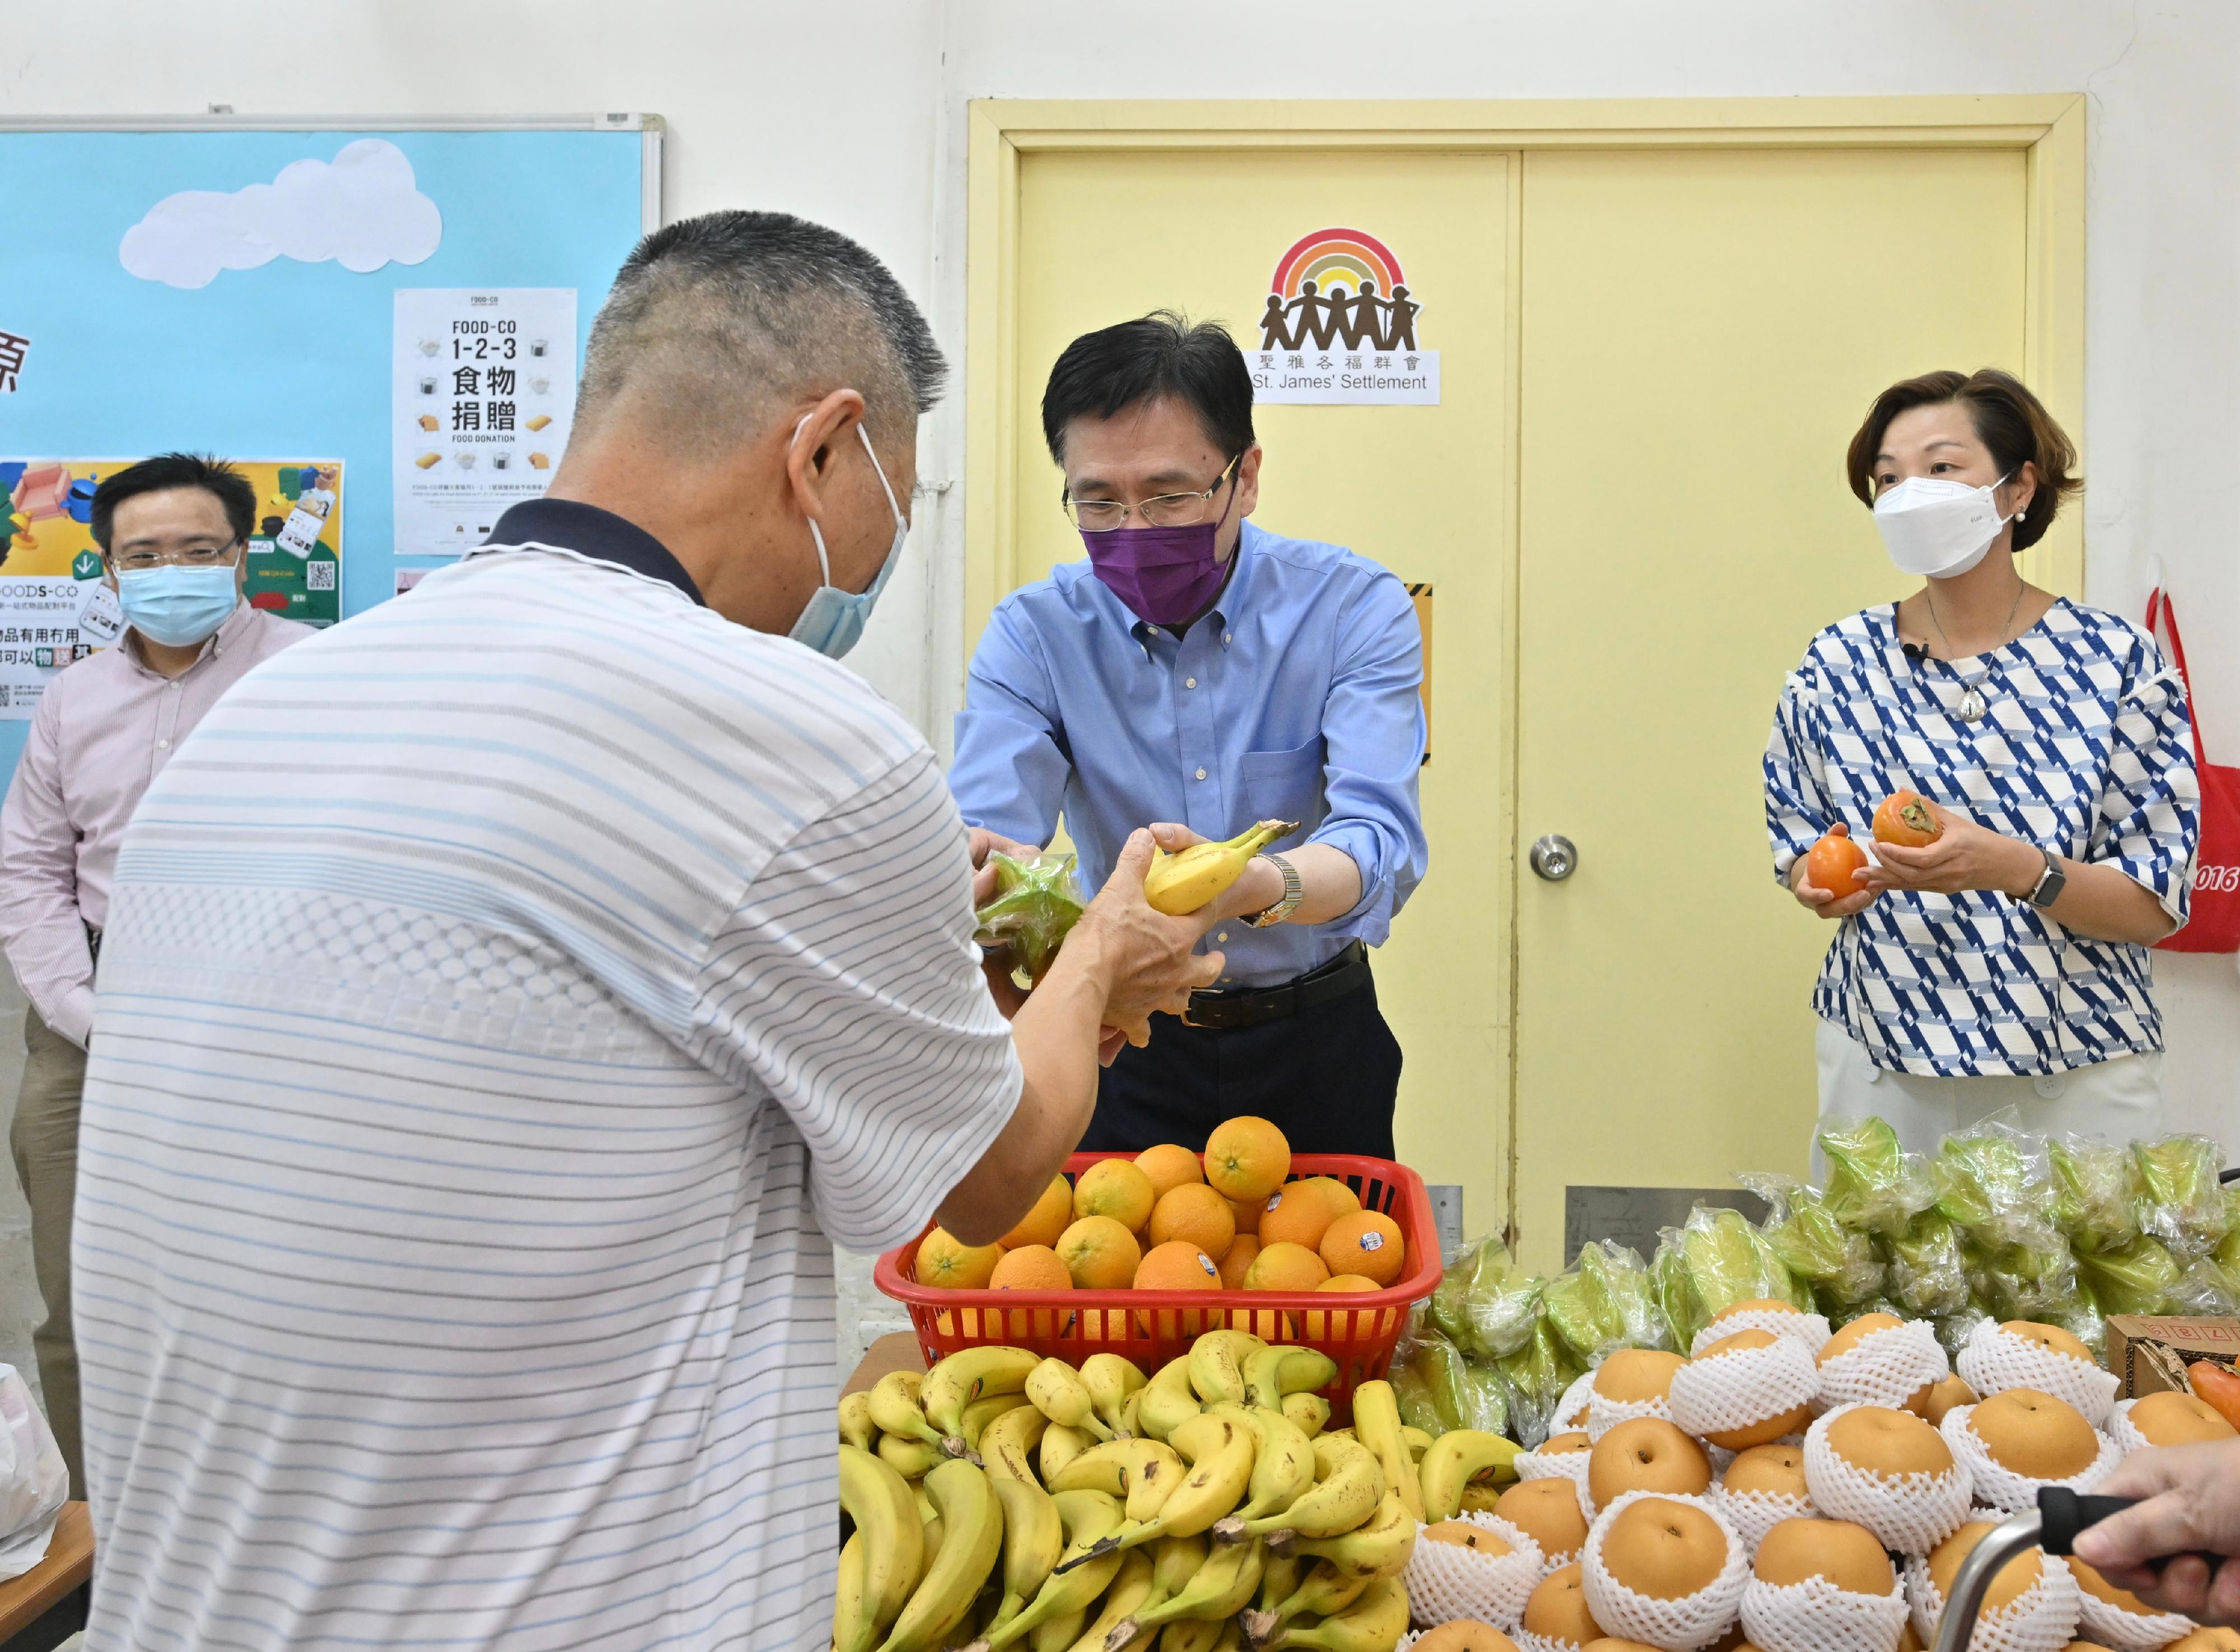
column 139, row 562
column 1161, row 510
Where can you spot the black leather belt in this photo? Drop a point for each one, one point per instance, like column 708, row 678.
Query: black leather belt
column 1348, row 972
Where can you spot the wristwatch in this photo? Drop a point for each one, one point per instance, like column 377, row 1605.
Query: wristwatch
column 2047, row 890
column 1294, row 892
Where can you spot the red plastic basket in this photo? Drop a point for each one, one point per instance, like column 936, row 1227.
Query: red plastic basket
column 1359, row 1329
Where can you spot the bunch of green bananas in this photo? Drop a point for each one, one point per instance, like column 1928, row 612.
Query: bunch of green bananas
column 1008, row 1501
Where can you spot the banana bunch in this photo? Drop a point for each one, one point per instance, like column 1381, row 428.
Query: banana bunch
column 1004, row 1500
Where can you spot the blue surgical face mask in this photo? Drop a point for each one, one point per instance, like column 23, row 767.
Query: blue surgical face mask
column 177, row 607
column 833, row 621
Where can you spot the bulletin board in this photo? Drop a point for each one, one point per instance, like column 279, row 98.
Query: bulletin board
column 244, row 287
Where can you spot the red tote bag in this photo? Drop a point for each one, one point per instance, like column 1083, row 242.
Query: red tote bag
column 2214, row 925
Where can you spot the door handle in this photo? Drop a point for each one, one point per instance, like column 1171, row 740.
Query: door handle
column 1554, row 858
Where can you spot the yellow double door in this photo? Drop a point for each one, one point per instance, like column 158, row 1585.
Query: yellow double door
column 1629, row 506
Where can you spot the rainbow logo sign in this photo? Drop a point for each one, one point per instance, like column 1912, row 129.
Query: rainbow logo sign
column 1328, row 256
column 1342, row 291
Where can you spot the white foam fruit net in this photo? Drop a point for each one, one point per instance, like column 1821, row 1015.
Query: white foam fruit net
column 2121, row 1631
column 1446, row 1581
column 1562, row 1465
column 2042, row 1618
column 1683, row 1625
column 1815, row 1615
column 1528, row 1642
column 1910, row 1514
column 1887, row 1367
column 1753, row 1514
column 1743, row 1387
column 2000, row 1486
column 1571, row 1409
column 1811, row 1329
column 1996, row 1359
column 1603, row 1415
column 2127, row 1437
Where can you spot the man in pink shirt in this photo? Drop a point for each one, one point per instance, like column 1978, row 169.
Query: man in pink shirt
column 174, row 532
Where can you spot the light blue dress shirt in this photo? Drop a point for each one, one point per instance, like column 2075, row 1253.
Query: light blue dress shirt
column 1296, row 697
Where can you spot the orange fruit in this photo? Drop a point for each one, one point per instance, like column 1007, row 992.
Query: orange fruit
column 1284, row 1266
column 1178, row 1265
column 1030, row 1268
column 1169, row 1167
column 1100, row 1254
column 1042, row 1224
column 943, row 1260
column 1242, row 1251
column 1296, row 1214
column 1318, row 1324
column 1367, row 1242
column 1117, row 1189
column 1343, row 1199
column 1195, row 1213
column 1247, row 1158
column 1247, row 1212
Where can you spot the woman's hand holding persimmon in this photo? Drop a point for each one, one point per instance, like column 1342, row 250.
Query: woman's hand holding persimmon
column 1824, row 902
column 1963, row 856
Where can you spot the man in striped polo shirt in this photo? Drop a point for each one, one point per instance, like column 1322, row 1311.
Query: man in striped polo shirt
column 506, row 993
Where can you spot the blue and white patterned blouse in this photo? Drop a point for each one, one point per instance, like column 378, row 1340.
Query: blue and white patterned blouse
column 2082, row 748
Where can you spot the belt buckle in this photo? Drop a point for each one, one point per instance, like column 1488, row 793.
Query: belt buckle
column 1189, row 1017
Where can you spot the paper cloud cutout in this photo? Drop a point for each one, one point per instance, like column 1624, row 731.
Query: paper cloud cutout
column 361, row 209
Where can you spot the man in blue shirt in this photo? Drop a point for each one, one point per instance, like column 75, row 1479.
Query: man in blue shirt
column 1199, row 674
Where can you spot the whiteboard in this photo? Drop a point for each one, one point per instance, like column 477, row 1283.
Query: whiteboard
column 290, row 359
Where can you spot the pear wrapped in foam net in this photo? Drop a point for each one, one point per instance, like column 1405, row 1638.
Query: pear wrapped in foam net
column 1447, row 1581
column 1817, row 1616
column 2042, row 1618
column 2002, row 1488
column 1682, row 1625
column 1885, row 1367
column 1910, row 1512
column 1743, row 1388
column 1996, row 1359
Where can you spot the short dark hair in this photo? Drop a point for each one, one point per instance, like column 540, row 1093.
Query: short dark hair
column 167, row 472
column 1101, row 373
column 735, row 310
column 2008, row 420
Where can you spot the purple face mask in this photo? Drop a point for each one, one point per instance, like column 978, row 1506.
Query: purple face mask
column 1165, row 576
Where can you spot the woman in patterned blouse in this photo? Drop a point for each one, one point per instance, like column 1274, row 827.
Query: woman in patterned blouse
column 2006, row 961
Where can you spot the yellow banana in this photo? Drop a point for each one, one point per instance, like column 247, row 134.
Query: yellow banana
column 1167, row 1399
column 1193, row 1635
column 969, row 1375
column 1111, row 1379
column 1376, row 1424
column 926, row 1511
column 1320, row 1591
column 1145, row 1472
column 894, row 1407
column 1217, row 1365
column 982, row 1412
column 1007, row 1445
column 1481, row 1500
column 1061, row 1445
column 1271, row 1373
column 1283, row 1467
column 1059, row 1633
column 1130, row 1587
column 1183, row 882
column 880, row 1501
column 1380, row 1549
column 1034, row 1539
column 972, row 1538
column 1128, row 1414
column 1221, row 1455
column 1079, row 1577
column 909, row 1458
column 852, row 1628
column 1418, row 1441
column 1278, row 1578
column 1175, row 1561
column 858, row 1427
column 1310, row 1411
column 1060, row 1395
column 1222, row 1588
column 1454, row 1459
column 1373, row 1623
column 1348, row 1486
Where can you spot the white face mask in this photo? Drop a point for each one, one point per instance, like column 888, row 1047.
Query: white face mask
column 1938, row 528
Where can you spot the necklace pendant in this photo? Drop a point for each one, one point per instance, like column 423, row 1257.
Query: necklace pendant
column 1972, row 706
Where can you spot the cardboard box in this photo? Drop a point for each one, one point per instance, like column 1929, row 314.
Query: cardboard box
column 2149, row 1354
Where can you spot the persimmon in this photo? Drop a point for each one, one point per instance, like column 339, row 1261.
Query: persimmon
column 1833, row 863
column 1904, row 819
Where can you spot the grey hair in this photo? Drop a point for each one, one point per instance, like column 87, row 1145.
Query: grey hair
column 728, row 318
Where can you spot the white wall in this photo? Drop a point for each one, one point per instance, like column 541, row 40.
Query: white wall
column 852, row 111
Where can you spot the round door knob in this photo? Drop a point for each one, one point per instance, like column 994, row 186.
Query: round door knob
column 1554, row 858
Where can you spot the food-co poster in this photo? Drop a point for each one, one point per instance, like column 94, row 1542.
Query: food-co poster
column 1343, row 327
column 56, row 606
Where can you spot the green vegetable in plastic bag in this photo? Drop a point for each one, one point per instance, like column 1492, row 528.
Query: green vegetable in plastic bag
column 2022, row 1282
column 2138, row 1277
column 2092, row 1193
column 1412, row 1392
column 1533, row 1380
column 1873, row 1184
column 2180, row 1201
column 1710, row 1263
column 1996, row 1180
column 1037, row 903
column 1927, row 1270
column 2227, row 1254
column 1840, row 1265
column 1605, row 1303
column 1486, row 1304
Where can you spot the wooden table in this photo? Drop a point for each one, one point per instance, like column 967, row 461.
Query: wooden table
column 897, row 1351
column 46, row 1605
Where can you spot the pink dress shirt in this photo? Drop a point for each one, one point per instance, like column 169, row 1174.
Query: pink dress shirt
column 103, row 729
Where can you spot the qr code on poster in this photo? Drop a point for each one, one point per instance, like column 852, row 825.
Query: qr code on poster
column 320, row 577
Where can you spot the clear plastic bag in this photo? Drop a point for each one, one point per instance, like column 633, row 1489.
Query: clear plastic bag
column 1839, row 1264
column 2022, row 1282
column 1605, row 1303
column 1037, row 903
column 1486, row 1304
column 33, row 1481
column 1533, row 1380
column 2179, row 1200
column 2138, row 1277
column 1873, row 1184
column 1927, row 1269
column 1412, row 1392
column 2092, row 1199
column 2227, row 1254
column 1995, row 1179
column 1716, row 1259
column 1461, row 1395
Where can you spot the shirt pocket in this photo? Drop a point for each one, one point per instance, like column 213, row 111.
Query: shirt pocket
column 1284, row 785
